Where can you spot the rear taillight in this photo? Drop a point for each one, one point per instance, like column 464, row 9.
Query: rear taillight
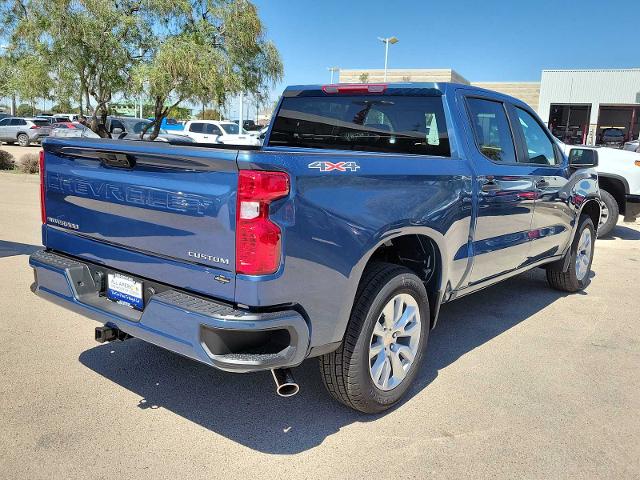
column 355, row 88
column 258, row 239
column 34, row 126
column 43, row 210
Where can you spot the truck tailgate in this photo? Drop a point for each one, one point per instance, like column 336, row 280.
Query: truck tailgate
column 159, row 211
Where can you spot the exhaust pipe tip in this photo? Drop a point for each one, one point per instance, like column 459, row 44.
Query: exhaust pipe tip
column 286, row 385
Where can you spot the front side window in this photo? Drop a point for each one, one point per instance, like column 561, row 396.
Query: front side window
column 539, row 146
column 373, row 123
column 231, row 128
column 4, row 122
column 491, row 130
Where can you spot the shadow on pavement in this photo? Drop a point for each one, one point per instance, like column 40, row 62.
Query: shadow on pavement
column 245, row 408
column 9, row 249
column 623, row 233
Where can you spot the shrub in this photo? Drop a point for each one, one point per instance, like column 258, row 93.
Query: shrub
column 7, row 162
column 30, row 163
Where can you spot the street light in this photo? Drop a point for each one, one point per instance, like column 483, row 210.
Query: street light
column 387, row 41
column 333, row 70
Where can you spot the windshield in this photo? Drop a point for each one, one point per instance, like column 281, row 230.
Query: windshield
column 231, row 128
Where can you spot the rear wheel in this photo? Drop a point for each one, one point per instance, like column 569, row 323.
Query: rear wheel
column 384, row 342
column 577, row 275
column 23, row 140
column 608, row 215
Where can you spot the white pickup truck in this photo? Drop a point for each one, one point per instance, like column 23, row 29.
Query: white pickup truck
column 619, row 181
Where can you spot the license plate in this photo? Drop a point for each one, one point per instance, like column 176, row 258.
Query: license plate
column 125, row 290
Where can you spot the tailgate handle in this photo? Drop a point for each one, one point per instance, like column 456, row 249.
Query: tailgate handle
column 117, row 160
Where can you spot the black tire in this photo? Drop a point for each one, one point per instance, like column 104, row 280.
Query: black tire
column 568, row 281
column 613, row 211
column 23, row 140
column 345, row 372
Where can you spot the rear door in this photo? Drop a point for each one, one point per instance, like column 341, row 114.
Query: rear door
column 146, row 207
column 505, row 186
column 15, row 126
column 5, row 129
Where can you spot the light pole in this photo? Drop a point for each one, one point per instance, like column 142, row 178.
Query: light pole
column 387, row 41
column 333, row 70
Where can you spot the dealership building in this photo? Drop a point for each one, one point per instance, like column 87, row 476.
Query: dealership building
column 579, row 106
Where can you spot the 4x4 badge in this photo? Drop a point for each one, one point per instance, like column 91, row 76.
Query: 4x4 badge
column 338, row 166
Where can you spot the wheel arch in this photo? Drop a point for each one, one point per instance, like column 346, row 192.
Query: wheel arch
column 617, row 186
column 592, row 208
column 421, row 250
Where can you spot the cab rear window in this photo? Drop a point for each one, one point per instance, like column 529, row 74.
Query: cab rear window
column 373, row 123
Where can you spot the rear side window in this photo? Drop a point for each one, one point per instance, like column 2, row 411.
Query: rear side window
column 491, row 130
column 373, row 123
column 539, row 146
column 18, row 121
column 196, row 127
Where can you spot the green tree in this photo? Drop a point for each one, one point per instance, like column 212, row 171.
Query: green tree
column 31, row 79
column 92, row 43
column 231, row 55
column 25, row 110
column 208, row 114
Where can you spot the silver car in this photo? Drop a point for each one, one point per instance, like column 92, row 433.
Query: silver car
column 24, row 131
column 633, row 146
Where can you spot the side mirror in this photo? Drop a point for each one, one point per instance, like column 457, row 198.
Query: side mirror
column 117, row 131
column 583, row 158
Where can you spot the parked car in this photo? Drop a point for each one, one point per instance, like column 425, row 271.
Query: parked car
column 48, row 118
column 66, row 117
column 71, row 129
column 633, row 146
column 367, row 208
column 4, row 115
column 130, row 128
column 249, row 125
column 214, row 131
column 171, row 124
column 612, row 137
column 25, row 131
column 619, row 182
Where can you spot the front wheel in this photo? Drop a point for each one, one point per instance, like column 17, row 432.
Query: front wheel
column 608, row 215
column 384, row 342
column 577, row 276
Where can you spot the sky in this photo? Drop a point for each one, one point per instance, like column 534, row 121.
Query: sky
column 485, row 40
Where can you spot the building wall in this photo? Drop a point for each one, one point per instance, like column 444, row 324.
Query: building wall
column 403, row 75
column 528, row 92
column 593, row 87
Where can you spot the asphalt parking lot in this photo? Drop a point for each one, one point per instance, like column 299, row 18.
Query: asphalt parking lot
column 520, row 382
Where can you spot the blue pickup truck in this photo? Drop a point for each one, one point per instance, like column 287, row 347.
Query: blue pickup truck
column 366, row 209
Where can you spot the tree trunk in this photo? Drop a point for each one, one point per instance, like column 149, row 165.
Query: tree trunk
column 81, row 90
